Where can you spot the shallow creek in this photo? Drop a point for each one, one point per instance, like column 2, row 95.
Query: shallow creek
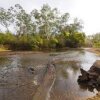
column 58, row 82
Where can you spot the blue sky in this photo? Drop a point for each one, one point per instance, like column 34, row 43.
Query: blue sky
column 86, row 10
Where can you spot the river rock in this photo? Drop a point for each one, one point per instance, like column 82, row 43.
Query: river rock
column 95, row 67
column 92, row 76
column 31, row 70
column 98, row 80
column 84, row 77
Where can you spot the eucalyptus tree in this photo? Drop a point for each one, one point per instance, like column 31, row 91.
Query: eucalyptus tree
column 64, row 22
column 22, row 20
column 75, row 26
column 41, row 28
column 5, row 18
column 45, row 20
column 96, row 40
column 76, row 37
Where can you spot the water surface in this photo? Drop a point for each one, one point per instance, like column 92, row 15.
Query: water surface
column 18, row 83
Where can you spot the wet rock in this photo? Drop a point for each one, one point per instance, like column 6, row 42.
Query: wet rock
column 98, row 80
column 84, row 77
column 31, row 70
column 92, row 83
column 92, row 76
column 95, row 67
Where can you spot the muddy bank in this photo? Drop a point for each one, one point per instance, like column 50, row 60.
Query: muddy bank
column 10, row 52
column 94, row 50
column 7, row 53
column 97, row 97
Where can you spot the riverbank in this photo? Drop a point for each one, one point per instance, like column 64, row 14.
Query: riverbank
column 94, row 50
column 97, row 97
column 3, row 49
column 5, row 52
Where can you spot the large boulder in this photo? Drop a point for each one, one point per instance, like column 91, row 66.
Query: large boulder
column 95, row 67
column 84, row 77
column 92, row 76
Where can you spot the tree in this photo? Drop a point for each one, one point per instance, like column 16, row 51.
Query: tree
column 63, row 23
column 23, row 22
column 96, row 40
column 88, row 41
column 44, row 28
column 2, row 38
column 45, row 20
column 5, row 18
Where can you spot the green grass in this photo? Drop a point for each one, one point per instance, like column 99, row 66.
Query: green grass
column 3, row 49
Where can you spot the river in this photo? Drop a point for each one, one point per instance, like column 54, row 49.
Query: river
column 18, row 82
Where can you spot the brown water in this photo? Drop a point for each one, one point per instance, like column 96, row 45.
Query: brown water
column 17, row 82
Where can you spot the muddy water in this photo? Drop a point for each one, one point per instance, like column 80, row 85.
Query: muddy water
column 66, row 86
column 17, row 81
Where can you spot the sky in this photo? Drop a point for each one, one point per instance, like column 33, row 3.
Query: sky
column 86, row 10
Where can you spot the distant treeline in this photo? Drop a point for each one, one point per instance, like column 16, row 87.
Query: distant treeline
column 93, row 40
column 40, row 29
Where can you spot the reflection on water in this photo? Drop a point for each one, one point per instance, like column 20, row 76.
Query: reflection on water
column 17, row 83
column 68, row 70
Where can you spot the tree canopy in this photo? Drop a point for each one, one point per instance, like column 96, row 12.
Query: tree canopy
column 44, row 28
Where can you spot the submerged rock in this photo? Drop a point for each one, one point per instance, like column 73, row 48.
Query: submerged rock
column 31, row 70
column 92, row 76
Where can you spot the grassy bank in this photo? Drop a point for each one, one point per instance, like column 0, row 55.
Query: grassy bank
column 3, row 49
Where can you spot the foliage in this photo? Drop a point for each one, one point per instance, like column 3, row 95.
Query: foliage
column 40, row 29
column 96, row 40
column 2, row 37
column 93, row 40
